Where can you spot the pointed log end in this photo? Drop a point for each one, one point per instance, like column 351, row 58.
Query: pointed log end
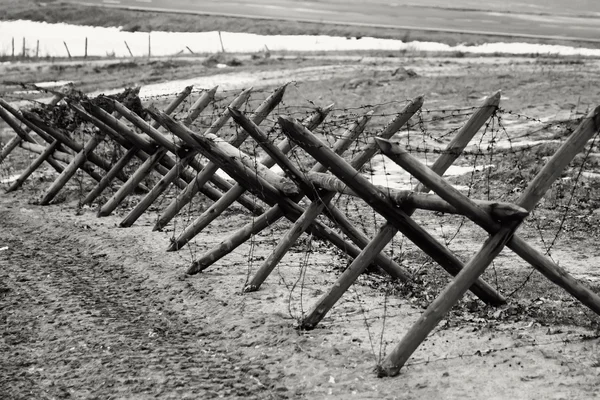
column 235, row 113
column 419, row 100
column 212, row 91
column 507, row 211
column 494, row 100
column 327, row 109
column 157, row 227
column 384, row 144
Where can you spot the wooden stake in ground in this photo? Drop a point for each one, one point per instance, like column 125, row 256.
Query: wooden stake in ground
column 321, row 200
column 130, row 152
column 252, row 181
column 388, row 230
column 174, row 172
column 379, row 202
column 237, row 190
column 72, row 168
column 202, row 178
column 149, row 164
column 335, row 215
column 18, row 139
column 491, row 248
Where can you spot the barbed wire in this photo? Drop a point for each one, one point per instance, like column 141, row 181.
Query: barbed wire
column 499, row 163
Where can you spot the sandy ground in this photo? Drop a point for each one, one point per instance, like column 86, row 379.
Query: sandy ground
column 90, row 310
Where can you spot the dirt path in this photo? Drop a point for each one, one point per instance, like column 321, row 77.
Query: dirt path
column 88, row 310
column 77, row 325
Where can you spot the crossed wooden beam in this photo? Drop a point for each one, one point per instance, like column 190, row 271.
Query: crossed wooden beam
column 178, row 161
column 502, row 232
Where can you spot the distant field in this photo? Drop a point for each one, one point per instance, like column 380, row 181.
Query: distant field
column 427, row 20
column 560, row 7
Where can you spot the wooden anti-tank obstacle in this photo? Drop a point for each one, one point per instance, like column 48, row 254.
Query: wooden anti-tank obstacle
column 282, row 193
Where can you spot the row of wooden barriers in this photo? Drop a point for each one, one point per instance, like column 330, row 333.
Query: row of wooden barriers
column 169, row 147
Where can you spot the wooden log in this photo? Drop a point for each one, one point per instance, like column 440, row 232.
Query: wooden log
column 18, row 116
column 39, row 149
column 491, row 248
column 543, row 264
column 27, row 138
column 387, row 232
column 383, row 206
column 322, row 200
column 18, row 139
column 262, row 188
column 278, row 210
column 167, row 162
column 215, row 179
column 356, row 236
column 66, row 140
column 193, row 187
column 230, row 197
column 173, row 173
column 72, row 168
column 116, row 199
column 309, row 215
column 204, row 100
column 110, row 175
column 33, row 166
column 186, row 196
column 422, row 201
column 131, row 151
column 210, row 169
column 239, row 161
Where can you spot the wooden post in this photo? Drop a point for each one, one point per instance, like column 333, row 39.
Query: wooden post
column 25, row 136
column 278, row 211
column 12, row 42
column 219, row 182
column 543, row 264
column 319, row 203
column 149, row 47
column 221, row 40
column 24, row 48
column 383, row 206
column 174, row 172
column 21, row 134
column 150, row 163
column 132, row 139
column 491, row 248
column 33, row 166
column 128, row 49
column 192, row 189
column 37, row 48
column 388, row 230
column 66, row 140
column 85, row 48
column 67, row 47
column 238, row 190
column 131, row 151
column 72, row 168
column 239, row 237
column 39, row 149
column 421, row 201
column 261, row 187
